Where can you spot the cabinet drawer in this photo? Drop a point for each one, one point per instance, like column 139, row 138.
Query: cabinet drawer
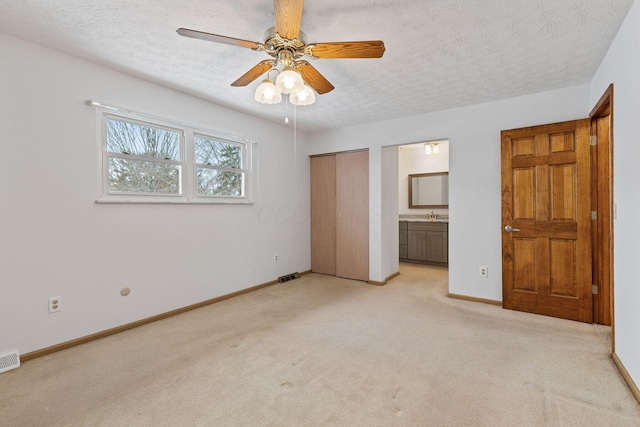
column 431, row 226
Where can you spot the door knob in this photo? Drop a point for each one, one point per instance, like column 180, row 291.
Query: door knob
column 510, row 229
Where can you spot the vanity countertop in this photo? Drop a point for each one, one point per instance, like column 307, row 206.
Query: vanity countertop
column 424, row 218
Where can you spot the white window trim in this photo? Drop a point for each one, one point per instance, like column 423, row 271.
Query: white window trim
column 188, row 181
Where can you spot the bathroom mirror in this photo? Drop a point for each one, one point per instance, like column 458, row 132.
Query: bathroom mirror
column 429, row 190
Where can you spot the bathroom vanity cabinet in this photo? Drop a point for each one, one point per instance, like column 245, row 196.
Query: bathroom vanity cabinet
column 424, row 242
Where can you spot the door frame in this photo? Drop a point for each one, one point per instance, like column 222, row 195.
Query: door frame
column 602, row 203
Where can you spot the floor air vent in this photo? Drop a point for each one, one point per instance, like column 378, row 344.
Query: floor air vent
column 9, row 361
column 288, row 277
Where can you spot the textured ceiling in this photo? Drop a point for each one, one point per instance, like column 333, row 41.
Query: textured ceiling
column 439, row 53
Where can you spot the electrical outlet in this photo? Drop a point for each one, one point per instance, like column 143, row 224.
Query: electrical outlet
column 275, row 257
column 483, row 272
column 55, row 304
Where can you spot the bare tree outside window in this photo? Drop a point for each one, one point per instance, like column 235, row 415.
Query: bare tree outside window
column 219, row 167
column 148, row 160
column 144, row 159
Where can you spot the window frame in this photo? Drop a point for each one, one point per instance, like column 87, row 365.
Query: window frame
column 243, row 164
column 188, row 185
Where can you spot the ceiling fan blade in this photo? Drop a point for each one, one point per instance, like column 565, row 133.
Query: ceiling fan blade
column 288, row 14
column 313, row 78
column 218, row 39
column 364, row 49
column 254, row 73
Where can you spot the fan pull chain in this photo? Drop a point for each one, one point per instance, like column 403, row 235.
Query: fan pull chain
column 286, row 112
column 295, row 138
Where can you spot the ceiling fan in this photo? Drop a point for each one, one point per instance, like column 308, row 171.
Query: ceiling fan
column 287, row 45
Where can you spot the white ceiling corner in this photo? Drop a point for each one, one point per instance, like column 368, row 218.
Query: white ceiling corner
column 439, row 54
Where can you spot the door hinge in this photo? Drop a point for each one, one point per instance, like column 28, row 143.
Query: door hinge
column 593, row 140
column 594, row 215
column 594, row 289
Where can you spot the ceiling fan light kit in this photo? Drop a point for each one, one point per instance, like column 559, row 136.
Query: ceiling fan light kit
column 286, row 44
column 268, row 93
column 303, row 97
column 289, row 81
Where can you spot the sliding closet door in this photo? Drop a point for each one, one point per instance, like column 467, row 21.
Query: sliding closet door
column 352, row 215
column 323, row 215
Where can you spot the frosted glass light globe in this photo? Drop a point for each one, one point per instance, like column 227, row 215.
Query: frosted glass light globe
column 303, row 97
column 268, row 93
column 289, row 81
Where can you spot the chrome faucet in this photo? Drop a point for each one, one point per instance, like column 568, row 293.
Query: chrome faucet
column 432, row 215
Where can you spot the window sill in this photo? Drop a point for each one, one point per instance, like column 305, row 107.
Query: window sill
column 130, row 201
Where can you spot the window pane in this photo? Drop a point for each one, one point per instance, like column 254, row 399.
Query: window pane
column 216, row 153
column 140, row 140
column 138, row 176
column 212, row 182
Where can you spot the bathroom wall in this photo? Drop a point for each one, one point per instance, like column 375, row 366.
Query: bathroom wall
column 412, row 159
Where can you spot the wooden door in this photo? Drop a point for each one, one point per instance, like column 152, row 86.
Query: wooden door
column 323, row 215
column 546, row 220
column 352, row 215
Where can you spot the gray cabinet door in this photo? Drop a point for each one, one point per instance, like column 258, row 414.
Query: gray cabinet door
column 437, row 247
column 417, row 245
column 403, row 252
column 403, row 239
column 426, row 242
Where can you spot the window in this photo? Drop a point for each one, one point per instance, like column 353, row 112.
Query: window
column 143, row 159
column 152, row 161
column 218, row 167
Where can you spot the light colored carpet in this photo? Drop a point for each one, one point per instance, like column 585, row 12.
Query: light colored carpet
column 323, row 351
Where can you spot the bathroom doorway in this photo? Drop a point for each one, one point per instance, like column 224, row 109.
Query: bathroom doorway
column 423, row 206
column 416, row 159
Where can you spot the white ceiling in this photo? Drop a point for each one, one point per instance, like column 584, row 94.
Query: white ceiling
column 439, row 53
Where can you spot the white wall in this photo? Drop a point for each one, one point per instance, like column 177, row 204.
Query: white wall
column 413, row 160
column 474, row 174
column 390, row 238
column 57, row 242
column 621, row 67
